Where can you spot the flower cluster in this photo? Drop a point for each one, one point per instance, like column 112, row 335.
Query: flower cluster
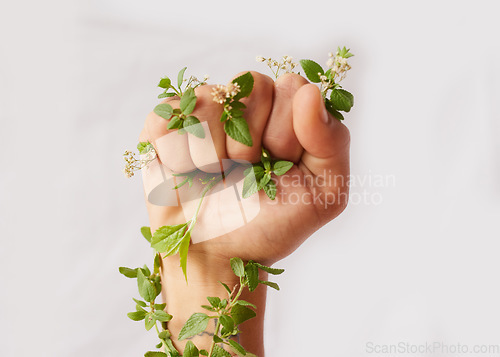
column 194, row 82
column 286, row 65
column 133, row 164
column 338, row 64
column 220, row 92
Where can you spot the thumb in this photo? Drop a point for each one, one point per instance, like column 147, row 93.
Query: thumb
column 324, row 138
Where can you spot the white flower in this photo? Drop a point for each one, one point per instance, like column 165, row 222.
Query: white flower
column 260, row 59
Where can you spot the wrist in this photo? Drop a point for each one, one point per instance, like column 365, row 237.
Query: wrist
column 204, row 276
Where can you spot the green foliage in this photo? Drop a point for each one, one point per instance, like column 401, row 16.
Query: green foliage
column 237, row 267
column 312, row 70
column 167, row 239
column 237, row 128
column 246, row 83
column 144, row 147
column 146, row 233
column 196, row 324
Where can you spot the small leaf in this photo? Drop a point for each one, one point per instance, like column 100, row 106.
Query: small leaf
column 225, row 287
column 137, row 315
column 245, row 82
column 155, row 354
column 241, row 314
column 209, row 308
column 162, row 316
column 311, row 70
column 238, row 267
column 160, row 306
column 214, row 301
column 281, row 167
column 140, row 303
column 193, row 126
column 227, row 322
column 237, row 348
column 146, row 233
column 196, row 324
column 150, row 321
column 180, row 77
column 183, row 253
column 156, row 264
column 129, row 273
column 252, row 275
column 274, row 271
column 237, row 128
column 174, row 123
column 146, row 270
column 245, row 303
column 217, row 339
column 341, row 99
column 219, row 352
column 146, row 289
column 167, row 239
column 164, row 334
column 253, row 176
column 164, row 110
column 264, row 181
column 143, row 147
column 164, row 83
column 204, row 352
column 270, row 189
column 159, row 344
column 270, row 284
column 188, row 101
column 190, row 350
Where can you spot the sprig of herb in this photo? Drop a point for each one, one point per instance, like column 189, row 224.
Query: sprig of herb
column 285, row 65
column 229, row 96
column 258, row 175
column 229, row 312
column 340, row 100
column 132, row 164
column 181, row 118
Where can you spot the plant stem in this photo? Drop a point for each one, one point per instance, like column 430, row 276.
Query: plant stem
column 216, row 333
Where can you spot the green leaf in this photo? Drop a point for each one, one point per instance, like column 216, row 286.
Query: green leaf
column 139, row 302
column 238, row 267
column 209, row 308
column 167, row 239
column 270, row 284
column 180, row 77
column 150, row 321
column 311, row 70
column 156, row 263
column 164, row 83
column 162, row 316
column 227, row 322
column 274, row 271
column 160, row 306
column 183, row 253
column 237, row 348
column 137, row 315
column 225, row 287
column 146, row 289
column 164, row 110
column 252, row 275
column 159, row 344
column 129, row 273
column 241, row 314
column 165, row 95
column 190, row 350
column 155, row 354
column 193, row 126
column 164, row 334
column 245, row 303
column 251, row 183
column 270, row 189
column 217, row 339
column 196, row 324
column 235, row 104
column 281, row 167
column 188, row 101
column 146, row 270
column 143, row 147
column 237, row 128
column 174, row 123
column 219, row 352
column 341, row 99
column 146, row 233
column 204, row 352
column 214, row 301
column 245, row 82
column 264, row 181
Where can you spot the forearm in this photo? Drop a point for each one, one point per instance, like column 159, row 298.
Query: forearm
column 183, row 299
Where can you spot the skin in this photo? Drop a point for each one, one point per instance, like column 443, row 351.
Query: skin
column 288, row 117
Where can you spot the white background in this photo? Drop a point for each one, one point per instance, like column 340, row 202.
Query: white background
column 420, row 265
